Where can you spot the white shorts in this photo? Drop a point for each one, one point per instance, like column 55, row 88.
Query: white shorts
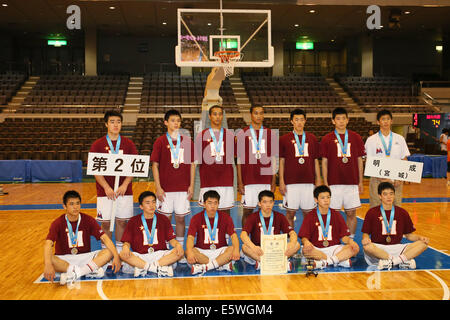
column 392, row 249
column 346, row 196
column 226, row 197
column 250, row 198
column 299, row 195
column 147, row 257
column 174, row 202
column 79, row 259
column 124, row 208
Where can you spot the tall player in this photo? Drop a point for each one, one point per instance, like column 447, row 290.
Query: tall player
column 255, row 166
column 71, row 234
column 325, row 236
column 386, row 144
column 383, row 229
column 174, row 172
column 215, row 151
column 210, row 227
column 342, row 167
column 299, row 167
column 113, row 142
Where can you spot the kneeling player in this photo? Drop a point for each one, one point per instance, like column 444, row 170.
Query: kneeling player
column 323, row 231
column 384, row 227
column 210, row 226
column 146, row 234
column 268, row 222
column 71, row 234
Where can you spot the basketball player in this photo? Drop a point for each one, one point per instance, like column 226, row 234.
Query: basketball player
column 174, row 172
column 146, row 234
column 113, row 142
column 325, row 236
column 210, row 227
column 342, row 167
column 255, row 172
column 215, row 152
column 386, row 144
column 383, row 229
column 299, row 167
column 71, row 234
column 266, row 221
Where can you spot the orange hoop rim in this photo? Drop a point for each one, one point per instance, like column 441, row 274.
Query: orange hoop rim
column 226, row 56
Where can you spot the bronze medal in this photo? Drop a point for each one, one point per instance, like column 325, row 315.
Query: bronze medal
column 74, row 251
column 344, row 159
column 388, row 239
column 325, row 243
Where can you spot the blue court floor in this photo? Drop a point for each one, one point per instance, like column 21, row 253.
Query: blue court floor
column 431, row 259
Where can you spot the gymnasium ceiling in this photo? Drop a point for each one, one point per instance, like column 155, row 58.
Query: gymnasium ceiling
column 145, row 18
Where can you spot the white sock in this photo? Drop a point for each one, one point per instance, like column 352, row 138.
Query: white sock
column 119, row 246
column 152, row 267
column 212, row 264
column 399, row 259
column 180, row 240
column 88, row 268
column 332, row 260
column 352, row 236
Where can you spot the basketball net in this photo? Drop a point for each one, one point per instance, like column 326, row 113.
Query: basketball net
column 228, row 60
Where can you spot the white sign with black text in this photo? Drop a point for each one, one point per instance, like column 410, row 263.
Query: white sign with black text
column 386, row 168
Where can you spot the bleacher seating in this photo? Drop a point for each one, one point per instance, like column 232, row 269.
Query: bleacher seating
column 9, row 85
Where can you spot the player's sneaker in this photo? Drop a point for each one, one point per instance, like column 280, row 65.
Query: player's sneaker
column 385, row 264
column 346, row 263
column 99, row 273
column 165, row 271
column 70, row 276
column 319, row 264
column 139, row 272
column 289, row 266
column 257, row 265
column 199, row 268
column 226, row 267
column 410, row 264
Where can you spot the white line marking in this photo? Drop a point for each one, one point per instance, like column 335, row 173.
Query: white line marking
column 100, row 290
column 443, row 284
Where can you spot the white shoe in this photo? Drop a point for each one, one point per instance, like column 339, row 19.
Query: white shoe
column 182, row 260
column 70, row 276
column 289, row 266
column 346, row 263
column 410, row 264
column 199, row 268
column 385, row 264
column 257, row 265
column 319, row 264
column 99, row 273
column 139, row 272
column 226, row 267
column 165, row 271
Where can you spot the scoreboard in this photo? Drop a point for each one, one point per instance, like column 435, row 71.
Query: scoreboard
column 431, row 125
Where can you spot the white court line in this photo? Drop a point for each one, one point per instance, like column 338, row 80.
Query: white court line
column 100, row 290
column 443, row 284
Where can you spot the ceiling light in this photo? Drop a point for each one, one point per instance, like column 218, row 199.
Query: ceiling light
column 312, row 11
column 164, row 23
column 296, row 25
column 439, row 48
column 4, row 4
column 112, row 8
column 407, row 12
column 209, row 23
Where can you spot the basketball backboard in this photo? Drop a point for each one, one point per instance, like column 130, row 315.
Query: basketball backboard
column 203, row 32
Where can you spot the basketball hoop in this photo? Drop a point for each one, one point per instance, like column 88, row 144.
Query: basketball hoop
column 228, row 60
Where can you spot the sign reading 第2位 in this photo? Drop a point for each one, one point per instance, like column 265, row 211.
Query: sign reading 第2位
column 124, row 165
column 393, row 169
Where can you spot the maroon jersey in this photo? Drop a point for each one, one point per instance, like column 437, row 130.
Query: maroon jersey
column 171, row 179
column 339, row 172
column 255, row 171
column 199, row 228
column 126, row 147
column 136, row 236
column 295, row 172
column 59, row 233
column 254, row 227
column 215, row 173
column 312, row 230
column 374, row 226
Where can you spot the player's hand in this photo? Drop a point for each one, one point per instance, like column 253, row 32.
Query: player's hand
column 178, row 249
column 190, row 192
column 160, row 194
column 282, row 188
column 424, row 239
column 190, row 257
column 319, row 182
column 290, row 249
column 366, row 241
column 354, row 246
column 258, row 251
column 116, row 264
column 49, row 272
column 235, row 255
column 121, row 191
column 361, row 188
column 241, row 188
column 307, row 248
column 125, row 253
column 110, row 193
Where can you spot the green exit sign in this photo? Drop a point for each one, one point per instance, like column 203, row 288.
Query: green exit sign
column 304, row 45
column 57, row 43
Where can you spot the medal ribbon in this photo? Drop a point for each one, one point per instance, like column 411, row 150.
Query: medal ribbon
column 257, row 143
column 343, row 145
column 386, row 150
column 327, row 227
column 152, row 235
column 116, row 150
column 212, row 233
column 301, row 147
column 263, row 223
column 391, row 219
column 175, row 151
column 73, row 237
column 217, row 146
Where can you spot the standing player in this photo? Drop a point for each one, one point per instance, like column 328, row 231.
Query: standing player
column 383, row 229
column 299, row 167
column 215, row 151
column 342, row 167
column 146, row 234
column 323, row 231
column 71, row 233
column 210, row 227
column 386, row 144
column 113, row 142
column 266, row 221
column 174, row 172
column 255, row 170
